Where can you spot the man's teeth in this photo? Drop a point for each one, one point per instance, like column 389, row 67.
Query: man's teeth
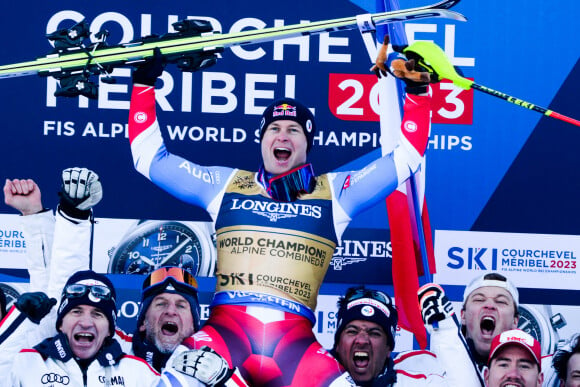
column 361, row 359
column 84, row 336
column 282, row 153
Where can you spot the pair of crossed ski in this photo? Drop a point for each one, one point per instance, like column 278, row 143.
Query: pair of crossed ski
column 73, row 62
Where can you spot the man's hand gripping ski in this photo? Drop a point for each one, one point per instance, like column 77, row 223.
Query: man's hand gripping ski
column 417, row 75
column 408, row 67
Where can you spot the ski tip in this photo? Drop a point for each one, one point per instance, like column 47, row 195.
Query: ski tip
column 452, row 15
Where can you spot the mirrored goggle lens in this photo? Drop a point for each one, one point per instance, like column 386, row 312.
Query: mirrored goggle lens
column 162, row 274
column 368, row 293
column 80, row 290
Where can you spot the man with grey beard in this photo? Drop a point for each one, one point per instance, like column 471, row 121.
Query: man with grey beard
column 169, row 314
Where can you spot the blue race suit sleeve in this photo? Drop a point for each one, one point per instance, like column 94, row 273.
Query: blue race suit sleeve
column 356, row 191
column 187, row 181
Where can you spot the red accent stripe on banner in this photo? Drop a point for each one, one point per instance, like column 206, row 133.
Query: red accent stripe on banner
column 405, row 280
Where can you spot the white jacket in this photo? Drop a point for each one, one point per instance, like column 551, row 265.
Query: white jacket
column 57, row 248
column 52, row 363
column 71, row 252
column 448, row 343
column 420, row 368
column 16, row 331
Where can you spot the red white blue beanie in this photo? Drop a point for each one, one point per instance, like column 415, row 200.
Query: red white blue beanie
column 367, row 308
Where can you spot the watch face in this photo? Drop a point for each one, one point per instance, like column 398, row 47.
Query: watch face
column 536, row 324
column 154, row 244
column 529, row 324
column 10, row 293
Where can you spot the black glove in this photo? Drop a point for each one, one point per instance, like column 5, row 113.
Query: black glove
column 435, row 306
column 415, row 63
column 414, row 67
column 80, row 191
column 204, row 364
column 147, row 72
column 34, row 305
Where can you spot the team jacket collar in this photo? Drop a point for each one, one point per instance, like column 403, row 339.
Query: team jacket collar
column 149, row 352
column 57, row 348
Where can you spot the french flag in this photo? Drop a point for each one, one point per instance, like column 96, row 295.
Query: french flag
column 411, row 240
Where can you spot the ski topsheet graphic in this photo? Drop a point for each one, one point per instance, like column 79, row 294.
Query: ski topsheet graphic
column 72, row 62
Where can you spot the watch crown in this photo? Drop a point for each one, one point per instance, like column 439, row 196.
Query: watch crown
column 558, row 321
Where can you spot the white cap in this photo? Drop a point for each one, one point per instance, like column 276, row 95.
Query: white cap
column 481, row 281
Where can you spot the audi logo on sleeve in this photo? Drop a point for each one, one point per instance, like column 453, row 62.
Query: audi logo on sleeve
column 54, row 378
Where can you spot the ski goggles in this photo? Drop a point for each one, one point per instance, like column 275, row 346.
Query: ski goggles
column 287, row 187
column 359, row 293
column 100, row 292
column 161, row 278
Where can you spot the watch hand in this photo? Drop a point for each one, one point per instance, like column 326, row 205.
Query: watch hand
column 174, row 252
column 147, row 260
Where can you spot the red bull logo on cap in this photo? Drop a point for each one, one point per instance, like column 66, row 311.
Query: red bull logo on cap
column 284, row 110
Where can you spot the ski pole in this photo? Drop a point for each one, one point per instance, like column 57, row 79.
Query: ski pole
column 527, row 105
column 431, row 56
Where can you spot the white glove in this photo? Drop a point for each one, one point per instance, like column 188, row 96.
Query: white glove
column 204, row 364
column 435, row 306
column 81, row 188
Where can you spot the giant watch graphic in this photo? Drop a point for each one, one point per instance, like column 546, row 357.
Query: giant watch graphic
column 150, row 244
column 543, row 326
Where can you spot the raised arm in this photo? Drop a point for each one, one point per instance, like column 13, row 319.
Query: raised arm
column 359, row 190
column 37, row 226
column 23, row 195
column 186, row 180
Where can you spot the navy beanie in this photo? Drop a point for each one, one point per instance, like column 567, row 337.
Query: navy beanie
column 290, row 109
column 89, row 277
column 170, row 285
column 366, row 306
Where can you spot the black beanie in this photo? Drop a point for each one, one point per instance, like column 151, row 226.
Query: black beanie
column 170, row 284
column 88, row 278
column 368, row 305
column 290, row 109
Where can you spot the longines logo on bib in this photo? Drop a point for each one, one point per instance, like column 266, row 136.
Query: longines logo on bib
column 277, row 210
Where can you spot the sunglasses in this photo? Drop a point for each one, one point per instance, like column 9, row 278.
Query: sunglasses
column 79, row 290
column 359, row 293
column 181, row 280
